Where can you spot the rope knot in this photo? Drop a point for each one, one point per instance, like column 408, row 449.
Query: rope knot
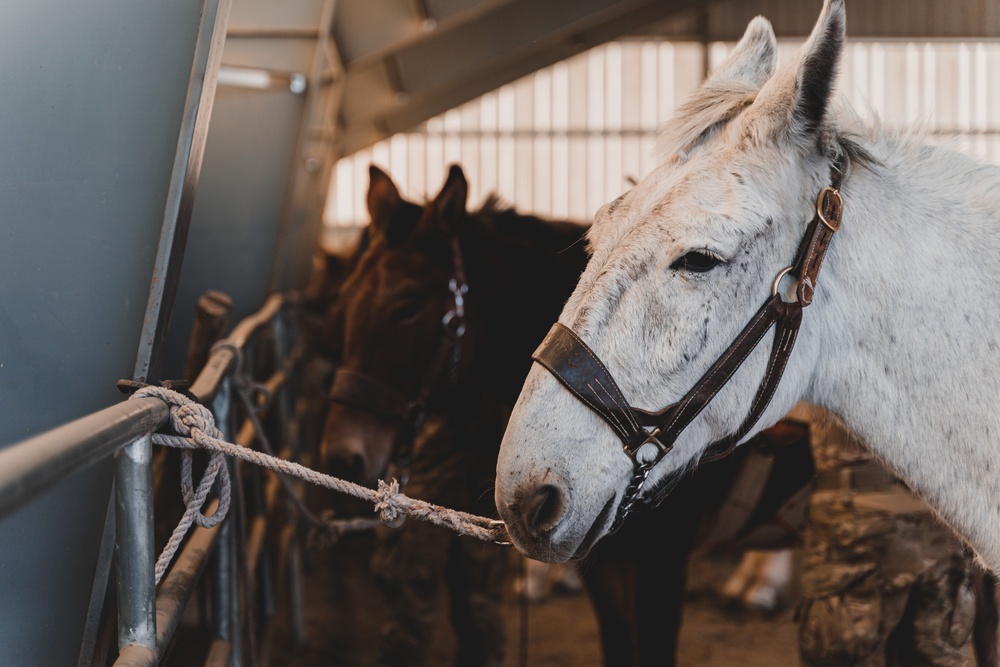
column 189, row 416
column 387, row 504
column 194, row 425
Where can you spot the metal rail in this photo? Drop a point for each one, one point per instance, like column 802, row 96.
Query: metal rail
column 33, row 466
column 148, row 617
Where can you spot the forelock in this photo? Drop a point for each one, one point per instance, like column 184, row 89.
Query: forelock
column 706, row 111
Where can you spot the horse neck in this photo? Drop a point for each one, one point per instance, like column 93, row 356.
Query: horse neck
column 520, row 272
column 906, row 333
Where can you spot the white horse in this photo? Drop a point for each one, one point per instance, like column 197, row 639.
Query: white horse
column 901, row 342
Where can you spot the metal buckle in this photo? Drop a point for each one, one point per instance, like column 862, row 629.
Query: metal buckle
column 819, row 206
column 652, row 438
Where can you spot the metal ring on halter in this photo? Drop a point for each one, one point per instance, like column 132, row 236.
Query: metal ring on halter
column 819, row 207
column 652, row 438
column 452, row 316
column 777, row 279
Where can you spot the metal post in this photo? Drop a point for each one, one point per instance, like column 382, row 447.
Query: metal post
column 135, row 548
column 284, row 410
column 236, row 611
column 183, row 186
column 290, row 431
column 225, row 579
column 222, row 575
column 295, row 597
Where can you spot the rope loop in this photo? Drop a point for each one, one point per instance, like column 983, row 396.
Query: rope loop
column 195, row 424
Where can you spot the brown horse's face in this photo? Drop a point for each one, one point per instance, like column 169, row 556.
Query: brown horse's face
column 391, row 308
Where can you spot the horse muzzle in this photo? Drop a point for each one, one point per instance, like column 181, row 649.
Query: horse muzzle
column 357, row 446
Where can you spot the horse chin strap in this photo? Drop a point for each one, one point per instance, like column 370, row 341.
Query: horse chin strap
column 649, row 436
column 364, row 392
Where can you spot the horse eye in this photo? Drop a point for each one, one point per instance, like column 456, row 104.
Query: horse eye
column 406, row 313
column 698, row 262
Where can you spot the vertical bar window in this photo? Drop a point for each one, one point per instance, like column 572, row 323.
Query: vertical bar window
column 561, row 142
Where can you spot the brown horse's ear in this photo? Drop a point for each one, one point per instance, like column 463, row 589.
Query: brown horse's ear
column 447, row 211
column 383, row 199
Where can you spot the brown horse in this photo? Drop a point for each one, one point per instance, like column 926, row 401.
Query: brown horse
column 434, row 322
column 399, row 357
column 439, row 317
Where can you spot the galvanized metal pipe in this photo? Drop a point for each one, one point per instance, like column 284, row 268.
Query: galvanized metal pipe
column 135, row 548
column 40, row 463
column 296, row 600
column 236, row 607
column 223, row 577
column 288, row 361
column 222, row 581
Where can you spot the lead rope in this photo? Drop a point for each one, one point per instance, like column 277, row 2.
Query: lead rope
column 325, row 529
column 194, row 428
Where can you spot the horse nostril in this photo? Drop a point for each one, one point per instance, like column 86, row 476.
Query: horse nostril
column 543, row 510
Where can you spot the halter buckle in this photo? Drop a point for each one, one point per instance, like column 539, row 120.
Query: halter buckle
column 833, row 226
column 652, row 438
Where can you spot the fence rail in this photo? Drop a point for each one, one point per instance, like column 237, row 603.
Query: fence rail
column 148, row 618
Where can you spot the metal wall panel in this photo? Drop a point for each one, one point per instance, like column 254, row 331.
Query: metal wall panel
column 91, row 111
column 725, row 20
column 260, row 150
column 567, row 139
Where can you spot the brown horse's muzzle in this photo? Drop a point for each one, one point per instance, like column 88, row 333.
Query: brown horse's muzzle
column 357, row 445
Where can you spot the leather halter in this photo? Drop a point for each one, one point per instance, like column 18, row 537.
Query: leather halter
column 369, row 394
column 578, row 368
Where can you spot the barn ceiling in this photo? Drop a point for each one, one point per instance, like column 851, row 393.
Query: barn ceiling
column 408, row 60
column 404, row 61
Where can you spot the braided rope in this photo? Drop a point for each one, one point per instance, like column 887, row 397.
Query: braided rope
column 194, row 426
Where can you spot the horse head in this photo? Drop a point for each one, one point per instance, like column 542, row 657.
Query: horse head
column 400, row 314
column 679, row 265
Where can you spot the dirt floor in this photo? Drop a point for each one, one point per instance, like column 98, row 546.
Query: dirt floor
column 342, row 613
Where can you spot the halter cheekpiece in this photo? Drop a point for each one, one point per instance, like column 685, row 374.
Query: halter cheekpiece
column 364, row 392
column 579, row 369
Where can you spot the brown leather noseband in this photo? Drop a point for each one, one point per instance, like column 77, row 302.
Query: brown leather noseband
column 369, row 394
column 579, row 369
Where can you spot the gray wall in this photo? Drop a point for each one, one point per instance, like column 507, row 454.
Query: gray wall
column 252, row 157
column 90, row 109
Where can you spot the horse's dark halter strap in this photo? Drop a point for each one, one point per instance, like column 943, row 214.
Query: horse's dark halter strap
column 364, row 392
column 579, row 369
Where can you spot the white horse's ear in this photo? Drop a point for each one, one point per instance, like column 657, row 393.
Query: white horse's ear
column 752, row 60
column 794, row 102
